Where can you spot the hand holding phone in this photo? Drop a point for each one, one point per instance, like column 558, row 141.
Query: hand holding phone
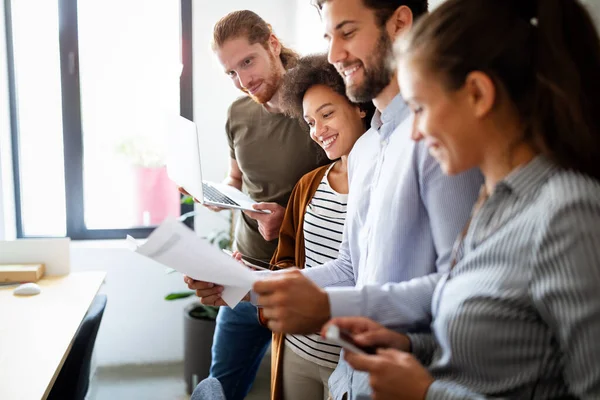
column 344, row 339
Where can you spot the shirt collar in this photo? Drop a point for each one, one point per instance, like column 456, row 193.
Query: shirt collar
column 529, row 176
column 394, row 113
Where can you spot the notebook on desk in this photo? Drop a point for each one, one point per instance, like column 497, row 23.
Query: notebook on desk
column 184, row 167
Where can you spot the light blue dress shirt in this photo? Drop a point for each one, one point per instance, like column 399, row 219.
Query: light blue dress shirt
column 403, row 217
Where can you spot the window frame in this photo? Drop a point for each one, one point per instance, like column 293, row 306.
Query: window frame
column 72, row 124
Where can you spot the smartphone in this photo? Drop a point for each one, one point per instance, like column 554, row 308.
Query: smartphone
column 344, row 339
column 253, row 262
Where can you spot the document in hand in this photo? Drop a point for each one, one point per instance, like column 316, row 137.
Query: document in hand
column 176, row 246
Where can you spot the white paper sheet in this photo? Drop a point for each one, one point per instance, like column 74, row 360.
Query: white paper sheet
column 176, row 246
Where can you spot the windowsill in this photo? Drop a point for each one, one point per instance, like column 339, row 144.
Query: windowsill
column 104, row 244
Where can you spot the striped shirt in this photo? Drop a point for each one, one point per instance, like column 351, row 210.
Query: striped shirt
column 519, row 315
column 323, row 230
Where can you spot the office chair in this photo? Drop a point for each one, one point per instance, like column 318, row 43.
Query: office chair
column 73, row 380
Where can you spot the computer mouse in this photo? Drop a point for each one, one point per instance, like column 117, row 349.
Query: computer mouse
column 27, row 289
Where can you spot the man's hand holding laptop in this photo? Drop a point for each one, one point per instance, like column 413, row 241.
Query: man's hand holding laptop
column 268, row 224
column 211, row 208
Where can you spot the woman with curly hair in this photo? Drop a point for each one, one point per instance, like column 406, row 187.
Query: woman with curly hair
column 312, row 228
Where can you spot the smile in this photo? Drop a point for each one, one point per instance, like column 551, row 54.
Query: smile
column 328, row 142
column 255, row 88
column 349, row 72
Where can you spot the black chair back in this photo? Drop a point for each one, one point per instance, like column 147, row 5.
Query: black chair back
column 73, row 380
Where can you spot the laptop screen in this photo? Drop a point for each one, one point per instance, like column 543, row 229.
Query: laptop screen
column 183, row 157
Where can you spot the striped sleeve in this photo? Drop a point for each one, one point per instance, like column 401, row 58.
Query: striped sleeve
column 422, row 346
column 563, row 286
column 444, row 390
column 564, row 289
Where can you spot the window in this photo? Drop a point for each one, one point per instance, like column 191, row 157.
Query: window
column 90, row 105
column 36, row 74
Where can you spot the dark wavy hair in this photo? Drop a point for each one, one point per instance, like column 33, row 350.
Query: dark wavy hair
column 313, row 70
column 545, row 54
column 384, row 9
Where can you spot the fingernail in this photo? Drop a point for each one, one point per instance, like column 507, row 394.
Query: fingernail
column 211, row 285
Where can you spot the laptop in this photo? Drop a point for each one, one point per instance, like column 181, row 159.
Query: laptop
column 184, row 167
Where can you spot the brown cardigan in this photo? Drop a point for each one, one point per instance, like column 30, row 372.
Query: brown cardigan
column 289, row 253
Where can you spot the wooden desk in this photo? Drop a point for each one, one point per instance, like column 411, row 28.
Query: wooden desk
column 36, row 332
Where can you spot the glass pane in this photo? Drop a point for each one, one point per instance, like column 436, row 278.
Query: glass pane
column 37, row 75
column 129, row 69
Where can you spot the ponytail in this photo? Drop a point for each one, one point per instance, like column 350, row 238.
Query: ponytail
column 566, row 108
column 545, row 54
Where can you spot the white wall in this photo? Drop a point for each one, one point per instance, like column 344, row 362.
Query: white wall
column 138, row 325
column 309, row 29
column 434, row 3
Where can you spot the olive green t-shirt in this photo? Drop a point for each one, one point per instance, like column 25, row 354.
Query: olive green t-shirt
column 273, row 152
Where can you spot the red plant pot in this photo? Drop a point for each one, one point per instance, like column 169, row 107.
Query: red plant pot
column 157, row 196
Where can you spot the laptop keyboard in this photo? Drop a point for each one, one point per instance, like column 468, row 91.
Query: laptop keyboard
column 214, row 196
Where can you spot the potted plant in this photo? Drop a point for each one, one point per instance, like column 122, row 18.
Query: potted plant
column 156, row 196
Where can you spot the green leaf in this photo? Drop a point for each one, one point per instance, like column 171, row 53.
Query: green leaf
column 185, row 199
column 224, row 243
column 179, row 295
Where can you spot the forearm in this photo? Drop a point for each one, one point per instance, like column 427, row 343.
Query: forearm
column 336, row 272
column 444, row 390
column 232, row 181
column 401, row 306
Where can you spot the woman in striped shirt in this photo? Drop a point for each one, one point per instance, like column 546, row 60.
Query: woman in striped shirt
column 312, row 229
column 513, row 87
